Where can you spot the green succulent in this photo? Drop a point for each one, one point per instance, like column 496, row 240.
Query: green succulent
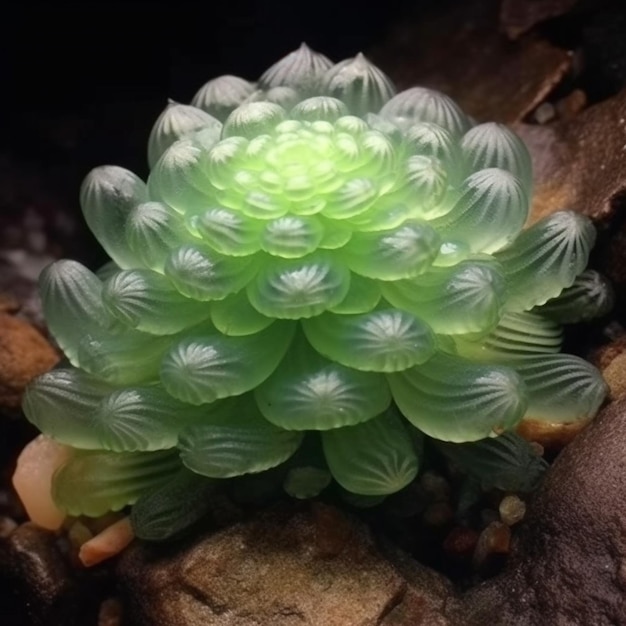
column 312, row 255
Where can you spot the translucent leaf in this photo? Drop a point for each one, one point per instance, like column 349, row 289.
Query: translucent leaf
column 309, row 392
column 199, row 273
column 229, row 232
column 126, row 358
column 61, row 403
column 389, row 255
column 220, row 96
column 359, row 84
column 286, row 97
column 299, row 288
column 238, row 442
column 107, row 195
column 490, row 212
column 174, row 123
column 561, row 387
column 427, row 183
column 95, row 482
column 148, row 301
column 205, row 367
column 252, row 119
column 306, row 482
column 419, row 104
column 71, row 298
column 353, row 198
column 234, row 315
column 180, row 179
column 465, row 298
column 516, row 335
column 385, row 340
column 546, row 258
column 172, row 507
column 494, row 145
column 453, row 399
column 363, row 296
column 372, row 459
column 292, row 236
column 223, row 160
column 319, row 108
column 301, row 69
column 507, row 462
column 590, row 296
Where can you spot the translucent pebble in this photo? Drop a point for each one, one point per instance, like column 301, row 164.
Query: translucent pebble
column 385, row 340
column 546, row 258
column 61, row 404
column 309, row 392
column 292, row 236
column 354, row 197
column 148, row 301
column 516, row 335
column 489, row 213
column 512, row 510
column 179, row 180
column 253, row 119
column 590, row 296
column 203, row 274
column 203, row 368
column 174, row 123
column 107, row 195
column 494, row 145
column 389, row 255
column 360, row 84
column 95, row 482
column 220, row 96
column 561, row 387
column 372, row 459
column 319, row 108
column 363, row 296
column 298, row 288
column 454, row 399
column 465, row 298
column 152, row 230
column 420, row 104
column 234, row 315
column 172, row 507
column 306, row 482
column 237, row 441
column 301, row 69
column 71, row 298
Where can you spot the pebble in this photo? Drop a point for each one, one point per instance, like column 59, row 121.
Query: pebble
column 110, row 613
column 512, row 510
column 435, row 486
column 7, row 526
column 460, row 542
column 495, row 540
column 438, row 514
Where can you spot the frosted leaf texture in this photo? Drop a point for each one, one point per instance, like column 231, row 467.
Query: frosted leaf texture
column 312, row 257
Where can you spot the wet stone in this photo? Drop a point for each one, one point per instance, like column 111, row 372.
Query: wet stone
column 512, row 510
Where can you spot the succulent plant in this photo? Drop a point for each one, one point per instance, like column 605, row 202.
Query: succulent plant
column 312, row 255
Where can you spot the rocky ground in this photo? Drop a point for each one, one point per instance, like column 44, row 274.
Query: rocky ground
column 556, row 71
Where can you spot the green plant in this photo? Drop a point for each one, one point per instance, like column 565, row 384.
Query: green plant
column 312, row 255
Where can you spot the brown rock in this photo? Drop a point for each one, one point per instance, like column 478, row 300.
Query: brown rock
column 580, row 164
column 38, row 587
column 519, row 16
column 24, row 354
column 568, row 566
column 270, row 570
column 551, row 436
column 461, row 52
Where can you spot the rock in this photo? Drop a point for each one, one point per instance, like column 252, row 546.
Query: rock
column 519, row 16
column 580, row 164
column 39, row 587
column 461, row 52
column 568, row 567
column 24, row 353
column 295, row 564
